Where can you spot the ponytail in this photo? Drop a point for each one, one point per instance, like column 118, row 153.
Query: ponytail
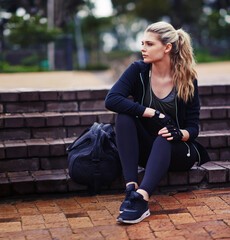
column 183, row 66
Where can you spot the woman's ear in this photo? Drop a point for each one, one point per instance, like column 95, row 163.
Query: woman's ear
column 168, row 47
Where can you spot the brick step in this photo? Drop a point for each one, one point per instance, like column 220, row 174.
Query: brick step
column 50, row 124
column 214, row 95
column 217, row 144
column 211, row 174
column 52, row 101
column 86, row 100
column 214, row 118
column 67, row 124
column 47, row 154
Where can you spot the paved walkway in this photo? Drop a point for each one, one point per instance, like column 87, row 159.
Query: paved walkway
column 202, row 214
column 213, row 73
column 64, row 80
column 208, row 74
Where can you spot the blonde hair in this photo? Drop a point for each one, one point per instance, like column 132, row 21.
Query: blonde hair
column 182, row 60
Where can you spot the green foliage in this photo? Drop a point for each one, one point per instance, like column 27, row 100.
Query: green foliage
column 179, row 11
column 204, row 56
column 63, row 9
column 217, row 27
column 152, row 10
column 92, row 27
column 6, row 68
column 31, row 31
column 32, row 60
column 122, row 5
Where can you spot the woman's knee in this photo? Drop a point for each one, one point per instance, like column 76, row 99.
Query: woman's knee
column 162, row 140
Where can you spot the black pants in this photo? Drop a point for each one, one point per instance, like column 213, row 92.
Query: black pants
column 136, row 146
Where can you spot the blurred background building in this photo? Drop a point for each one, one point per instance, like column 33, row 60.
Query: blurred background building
column 44, row 35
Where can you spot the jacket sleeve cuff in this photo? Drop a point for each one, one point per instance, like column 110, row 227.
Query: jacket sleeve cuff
column 140, row 110
column 193, row 133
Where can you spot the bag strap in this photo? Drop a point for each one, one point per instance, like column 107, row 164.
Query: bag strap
column 96, row 160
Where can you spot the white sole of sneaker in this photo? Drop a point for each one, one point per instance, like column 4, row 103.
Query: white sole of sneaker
column 144, row 215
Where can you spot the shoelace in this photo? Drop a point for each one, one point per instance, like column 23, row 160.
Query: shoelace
column 134, row 196
column 127, row 193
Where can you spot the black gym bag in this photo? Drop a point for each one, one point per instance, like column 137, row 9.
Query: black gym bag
column 93, row 158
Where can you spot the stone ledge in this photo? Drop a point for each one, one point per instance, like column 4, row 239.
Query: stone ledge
column 50, row 124
column 47, row 119
column 85, row 94
column 216, row 142
column 211, row 174
column 87, row 100
column 30, row 96
column 63, row 124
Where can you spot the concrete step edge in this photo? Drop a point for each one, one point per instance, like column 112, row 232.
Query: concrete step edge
column 211, row 174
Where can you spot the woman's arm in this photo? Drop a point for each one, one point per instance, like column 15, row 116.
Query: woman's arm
column 192, row 113
column 117, row 98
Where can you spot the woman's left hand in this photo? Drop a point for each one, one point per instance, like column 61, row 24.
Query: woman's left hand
column 173, row 133
column 165, row 133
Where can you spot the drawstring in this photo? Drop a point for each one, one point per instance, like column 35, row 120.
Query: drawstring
column 189, row 152
column 142, row 100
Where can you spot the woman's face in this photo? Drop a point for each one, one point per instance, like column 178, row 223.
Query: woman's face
column 152, row 48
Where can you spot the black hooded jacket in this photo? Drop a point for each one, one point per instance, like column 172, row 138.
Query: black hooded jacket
column 133, row 83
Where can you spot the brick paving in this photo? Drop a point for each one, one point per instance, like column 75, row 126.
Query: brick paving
column 199, row 214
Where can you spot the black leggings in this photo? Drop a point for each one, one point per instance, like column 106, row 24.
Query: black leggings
column 155, row 153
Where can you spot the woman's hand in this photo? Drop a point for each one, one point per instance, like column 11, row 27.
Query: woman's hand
column 165, row 133
column 173, row 133
column 150, row 112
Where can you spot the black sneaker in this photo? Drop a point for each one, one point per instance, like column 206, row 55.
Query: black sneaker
column 136, row 211
column 129, row 189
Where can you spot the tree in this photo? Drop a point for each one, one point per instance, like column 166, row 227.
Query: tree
column 207, row 29
column 180, row 12
column 30, row 32
column 92, row 28
column 64, row 9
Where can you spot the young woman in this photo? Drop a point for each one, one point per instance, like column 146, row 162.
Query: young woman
column 156, row 130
